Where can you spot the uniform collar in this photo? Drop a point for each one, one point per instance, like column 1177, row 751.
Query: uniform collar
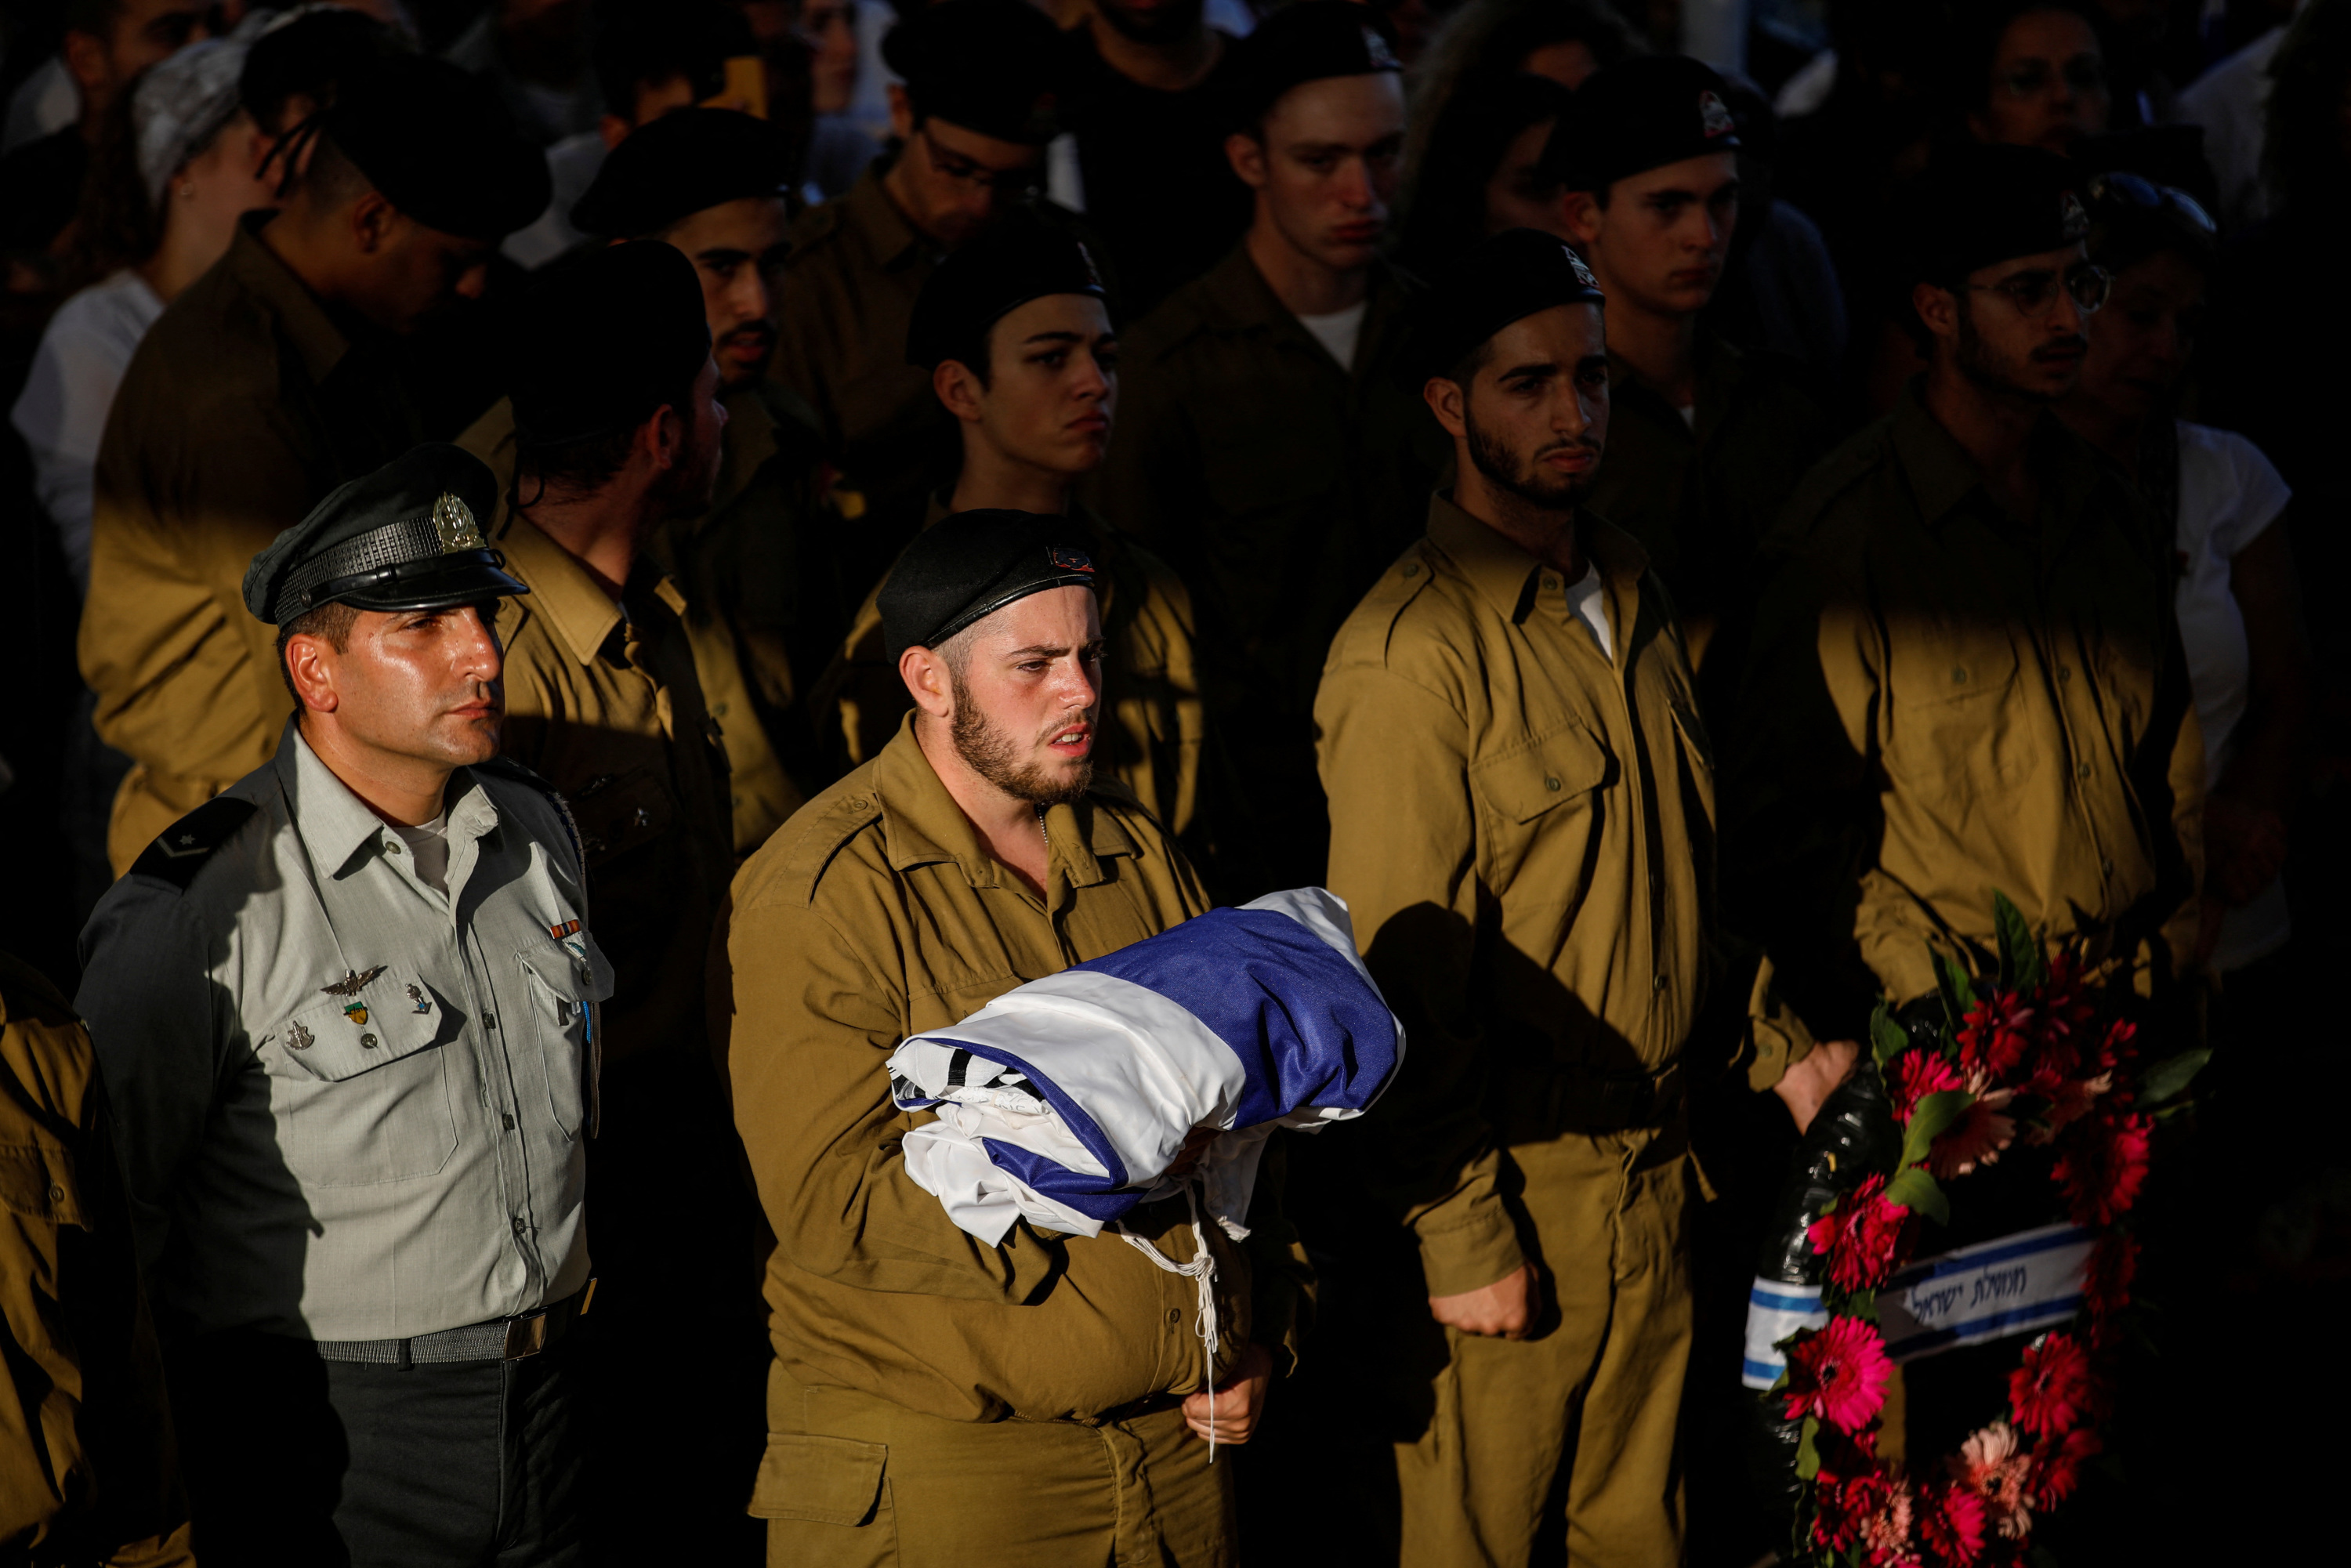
column 1236, row 298
column 1500, row 571
column 1720, row 367
column 887, row 233
column 301, row 315
column 336, row 825
column 562, row 591
column 1943, row 476
column 921, row 825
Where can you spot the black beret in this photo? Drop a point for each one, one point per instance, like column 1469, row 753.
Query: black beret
column 406, row 536
column 1977, row 205
column 440, row 145
column 989, row 66
column 1018, row 259
column 1303, row 43
column 308, row 52
column 1495, row 282
column 679, row 164
column 603, row 340
column 968, row 565
column 1639, row 114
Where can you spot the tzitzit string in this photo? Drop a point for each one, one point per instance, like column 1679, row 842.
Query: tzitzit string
column 1202, row 1271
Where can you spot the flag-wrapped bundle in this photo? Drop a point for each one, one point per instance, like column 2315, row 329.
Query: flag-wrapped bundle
column 1065, row 1100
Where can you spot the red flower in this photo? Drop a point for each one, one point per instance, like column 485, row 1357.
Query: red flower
column 2102, row 1165
column 1950, row 1519
column 2106, row 1285
column 2115, row 1048
column 1838, row 1373
column 1861, row 1237
column 2057, row 1465
column 1916, row 1074
column 1995, row 1035
column 2051, row 1389
column 1849, row 1493
column 1978, row 1138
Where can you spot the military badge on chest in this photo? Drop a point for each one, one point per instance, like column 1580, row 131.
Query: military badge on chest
column 350, row 986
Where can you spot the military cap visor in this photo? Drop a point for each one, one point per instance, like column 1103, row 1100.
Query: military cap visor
column 406, row 536
column 1508, row 277
column 966, row 567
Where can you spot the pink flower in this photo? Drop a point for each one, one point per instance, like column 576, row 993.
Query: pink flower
column 1951, row 1523
column 1976, row 1139
column 1916, row 1074
column 2057, row 1465
column 2051, row 1388
column 2103, row 1164
column 2107, row 1282
column 1990, row 1465
column 1861, row 1237
column 1886, row 1534
column 1838, row 1373
column 2070, row 1099
column 1995, row 1035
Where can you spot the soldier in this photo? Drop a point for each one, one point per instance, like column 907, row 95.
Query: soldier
column 761, row 566
column 971, row 121
column 86, row 1472
column 346, row 1013
column 1015, row 330
column 1521, row 806
column 1705, row 441
column 269, row 380
column 935, row 1400
column 1967, row 676
column 617, row 431
column 1270, row 454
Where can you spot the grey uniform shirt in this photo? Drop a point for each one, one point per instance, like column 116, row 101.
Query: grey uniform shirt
column 350, row 1105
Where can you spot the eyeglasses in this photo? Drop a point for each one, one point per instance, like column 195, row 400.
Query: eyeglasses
column 2033, row 292
column 964, row 172
column 2172, row 205
column 2033, row 79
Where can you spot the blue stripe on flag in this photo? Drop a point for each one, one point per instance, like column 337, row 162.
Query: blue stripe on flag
column 1773, row 1298
column 1767, row 1372
column 1968, row 1260
column 1052, row 1176
column 1990, row 1327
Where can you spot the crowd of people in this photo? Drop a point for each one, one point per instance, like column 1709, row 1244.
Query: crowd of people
column 585, row 572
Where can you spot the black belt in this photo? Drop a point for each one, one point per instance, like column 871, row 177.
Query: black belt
column 500, row 1338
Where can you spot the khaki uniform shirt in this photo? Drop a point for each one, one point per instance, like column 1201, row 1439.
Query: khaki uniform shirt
column 351, row 1106
column 877, row 913
column 85, row 1469
column 1523, row 830
column 1943, row 703
column 605, row 707
column 850, row 283
column 1151, row 694
column 1278, row 483
column 245, row 403
column 1701, row 497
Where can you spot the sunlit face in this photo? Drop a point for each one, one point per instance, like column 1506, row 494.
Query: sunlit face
column 1052, row 384
column 950, row 181
column 1659, row 244
column 1325, row 172
column 1535, row 414
column 1517, row 195
column 2013, row 327
column 2139, row 344
column 422, row 685
column 2048, row 85
column 738, row 249
column 1028, row 695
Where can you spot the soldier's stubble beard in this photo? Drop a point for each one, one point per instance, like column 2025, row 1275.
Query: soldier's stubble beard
column 996, row 755
column 1503, row 468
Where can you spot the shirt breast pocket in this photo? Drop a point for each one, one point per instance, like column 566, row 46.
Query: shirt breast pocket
column 567, row 985
column 1954, row 729
column 358, row 1083
column 1540, row 790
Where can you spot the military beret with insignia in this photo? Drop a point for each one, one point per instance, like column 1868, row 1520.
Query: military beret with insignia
column 1020, row 259
column 1977, row 205
column 989, row 66
column 406, row 536
column 1302, row 43
column 969, row 565
column 603, row 339
column 1505, row 279
column 1636, row 115
column 440, row 145
column 686, row 160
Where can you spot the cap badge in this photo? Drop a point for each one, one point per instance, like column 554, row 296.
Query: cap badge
column 1069, row 560
column 1582, row 273
column 2073, row 218
column 1094, row 273
column 1376, row 50
column 454, row 521
column 1713, row 116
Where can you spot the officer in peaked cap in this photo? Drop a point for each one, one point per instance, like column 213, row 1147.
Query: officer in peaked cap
column 348, row 1015
column 1705, row 439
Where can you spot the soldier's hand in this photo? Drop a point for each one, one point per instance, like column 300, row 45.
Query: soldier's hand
column 1506, row 1308
column 1241, row 1399
column 1807, row 1084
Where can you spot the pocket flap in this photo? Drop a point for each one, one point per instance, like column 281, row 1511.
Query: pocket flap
column 393, row 1014
column 830, row 1481
column 572, row 964
column 1524, row 784
column 37, row 1182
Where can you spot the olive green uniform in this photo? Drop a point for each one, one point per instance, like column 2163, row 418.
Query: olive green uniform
column 1278, row 483
column 934, row 1399
column 1522, row 827
column 1699, row 494
column 1943, row 703
column 1150, row 693
column 245, row 404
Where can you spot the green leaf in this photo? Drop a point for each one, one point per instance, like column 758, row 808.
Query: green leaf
column 1919, row 1193
column 1933, row 1113
column 2022, row 965
column 2169, row 1076
column 1958, row 991
column 1808, row 1456
column 1862, row 1304
column 1887, row 1039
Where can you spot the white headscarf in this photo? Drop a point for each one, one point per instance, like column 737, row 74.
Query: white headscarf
column 180, row 104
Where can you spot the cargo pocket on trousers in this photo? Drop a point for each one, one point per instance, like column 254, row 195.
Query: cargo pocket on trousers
column 827, row 1480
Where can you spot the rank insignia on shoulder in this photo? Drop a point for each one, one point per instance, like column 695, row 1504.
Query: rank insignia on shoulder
column 298, row 1039
column 417, row 996
column 351, row 984
column 566, row 929
column 181, row 852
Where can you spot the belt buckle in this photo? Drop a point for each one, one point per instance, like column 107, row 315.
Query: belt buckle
column 525, row 1336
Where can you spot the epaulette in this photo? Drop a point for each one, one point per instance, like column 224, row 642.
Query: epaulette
column 181, row 850
column 814, row 842
column 1835, row 474
column 507, row 768
column 1363, row 637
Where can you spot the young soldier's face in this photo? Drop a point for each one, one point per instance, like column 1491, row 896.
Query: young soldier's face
column 1659, row 244
column 953, row 180
column 1325, row 172
column 1028, row 692
column 1534, row 417
column 738, row 250
column 2016, row 327
column 1052, row 384
column 418, row 685
column 1517, row 195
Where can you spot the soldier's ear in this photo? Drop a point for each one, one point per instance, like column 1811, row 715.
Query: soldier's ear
column 925, row 674
column 1937, row 309
column 958, row 388
column 1246, row 153
column 1582, row 213
column 1448, row 400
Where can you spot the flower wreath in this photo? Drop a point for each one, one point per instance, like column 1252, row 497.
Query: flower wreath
column 2031, row 1057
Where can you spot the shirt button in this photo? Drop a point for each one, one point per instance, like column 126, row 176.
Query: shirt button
column 2106, row 868
column 719, row 708
column 1174, row 1315
column 507, row 1122
column 2082, row 771
column 518, row 1225
column 489, row 1021
column 1412, row 568
column 1958, row 675
column 2064, row 672
column 392, row 848
column 1657, row 982
column 1550, row 782
column 367, row 1042
column 57, row 1195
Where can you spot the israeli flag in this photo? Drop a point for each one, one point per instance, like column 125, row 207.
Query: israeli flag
column 1065, row 1100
